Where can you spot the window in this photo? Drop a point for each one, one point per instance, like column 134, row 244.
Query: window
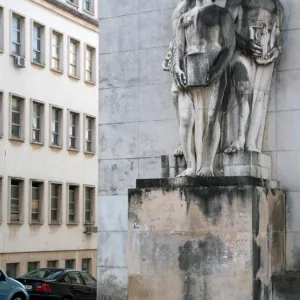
column 70, row 263
column 12, row 270
column 37, row 112
column 73, row 131
column 56, row 51
column 73, row 204
column 56, row 126
column 1, row 197
column 75, row 278
column 55, row 205
column 17, row 35
column 75, row 2
column 88, row 5
column 37, row 191
column 1, row 29
column 90, row 64
column 16, row 200
column 89, row 280
column 74, row 55
column 32, row 266
column 38, row 43
column 90, row 134
column 52, row 264
column 89, row 196
column 86, row 264
column 17, row 118
column 1, row 113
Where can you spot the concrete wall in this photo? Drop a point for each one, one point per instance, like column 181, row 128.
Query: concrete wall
column 137, row 120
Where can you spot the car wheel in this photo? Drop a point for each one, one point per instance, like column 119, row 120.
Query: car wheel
column 18, row 297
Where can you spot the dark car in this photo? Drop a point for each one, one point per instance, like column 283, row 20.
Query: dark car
column 59, row 284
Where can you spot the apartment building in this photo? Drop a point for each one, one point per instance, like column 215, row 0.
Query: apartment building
column 48, row 117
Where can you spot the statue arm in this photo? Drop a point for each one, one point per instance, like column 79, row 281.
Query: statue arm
column 233, row 6
column 229, row 41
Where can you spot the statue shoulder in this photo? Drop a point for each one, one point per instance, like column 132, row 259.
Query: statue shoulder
column 232, row 3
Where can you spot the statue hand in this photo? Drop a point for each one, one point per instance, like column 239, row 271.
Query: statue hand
column 254, row 49
column 180, row 78
column 270, row 57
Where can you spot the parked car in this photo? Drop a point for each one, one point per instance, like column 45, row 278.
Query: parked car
column 59, row 284
column 11, row 289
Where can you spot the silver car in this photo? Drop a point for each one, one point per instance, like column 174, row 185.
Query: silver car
column 11, row 289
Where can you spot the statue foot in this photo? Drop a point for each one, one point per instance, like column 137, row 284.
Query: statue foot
column 236, row 146
column 178, row 151
column 205, row 172
column 189, row 172
column 252, row 148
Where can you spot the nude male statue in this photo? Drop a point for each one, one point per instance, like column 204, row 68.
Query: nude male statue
column 259, row 44
column 204, row 46
column 181, row 8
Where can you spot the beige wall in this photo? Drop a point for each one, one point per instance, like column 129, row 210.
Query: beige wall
column 40, row 162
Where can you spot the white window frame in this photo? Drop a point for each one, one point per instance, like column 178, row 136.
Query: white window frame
column 42, row 122
column 22, row 117
column 75, row 3
column 77, row 59
column 76, row 204
column 1, row 113
column 42, row 50
column 59, row 202
column 92, row 205
column 60, row 51
column 93, row 64
column 22, row 33
column 92, row 9
column 77, row 130
column 21, row 200
column 93, row 130
column 41, row 201
column 61, row 126
column 2, row 22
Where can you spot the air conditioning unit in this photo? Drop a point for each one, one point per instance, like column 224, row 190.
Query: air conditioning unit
column 91, row 229
column 19, row 61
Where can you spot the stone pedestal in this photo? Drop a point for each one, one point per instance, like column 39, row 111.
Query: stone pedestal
column 204, row 238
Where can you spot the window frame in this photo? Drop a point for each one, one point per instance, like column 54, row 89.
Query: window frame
column 78, row 57
column 22, row 33
column 41, row 201
column 42, row 122
column 61, row 127
column 2, row 24
column 59, row 204
column 77, row 130
column 22, row 117
column 93, row 64
column 93, row 133
column 33, row 262
column 92, row 206
column 1, row 198
column 52, row 261
column 76, row 204
column 42, row 27
column 20, row 199
column 73, row 260
column 76, row 4
column 16, row 264
column 1, row 113
column 61, row 50
column 92, row 10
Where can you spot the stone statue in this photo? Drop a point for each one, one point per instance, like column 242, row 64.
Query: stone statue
column 259, row 44
column 182, row 7
column 204, row 46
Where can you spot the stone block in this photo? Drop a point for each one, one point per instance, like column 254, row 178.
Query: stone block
column 247, row 158
column 161, row 32
column 291, row 14
column 292, row 212
column 252, row 171
column 157, row 138
column 288, row 90
column 146, row 5
column 272, row 105
column 287, row 139
column 292, row 251
column 118, row 140
column 286, row 286
column 113, row 213
column 112, row 283
column 155, row 103
column 150, row 69
column 269, row 138
column 113, row 8
column 118, row 105
column 112, row 249
column 119, row 34
column 150, row 167
column 118, row 69
column 116, row 176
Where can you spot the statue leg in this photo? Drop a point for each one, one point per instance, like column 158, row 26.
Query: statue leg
column 187, row 136
column 175, row 95
column 261, row 91
column 242, row 86
column 212, row 132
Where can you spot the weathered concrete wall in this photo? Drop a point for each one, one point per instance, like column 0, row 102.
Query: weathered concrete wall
column 191, row 241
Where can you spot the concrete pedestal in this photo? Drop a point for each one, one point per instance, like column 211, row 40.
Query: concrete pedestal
column 204, row 238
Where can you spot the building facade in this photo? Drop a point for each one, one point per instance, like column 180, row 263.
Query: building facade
column 48, row 117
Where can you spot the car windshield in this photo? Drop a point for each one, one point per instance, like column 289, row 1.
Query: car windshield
column 44, row 274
